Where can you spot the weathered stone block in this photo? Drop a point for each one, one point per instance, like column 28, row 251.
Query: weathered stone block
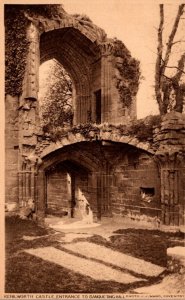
column 176, row 259
column 30, row 141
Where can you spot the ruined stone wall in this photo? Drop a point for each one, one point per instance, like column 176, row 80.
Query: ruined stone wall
column 121, row 114
column 134, row 178
column 115, row 179
column 86, row 52
column 11, row 153
column 170, row 140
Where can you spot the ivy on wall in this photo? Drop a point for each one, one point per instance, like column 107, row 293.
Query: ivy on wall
column 16, row 43
column 127, row 82
column 16, row 49
column 142, row 129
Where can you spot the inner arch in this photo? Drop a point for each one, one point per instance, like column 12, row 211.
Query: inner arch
column 81, row 59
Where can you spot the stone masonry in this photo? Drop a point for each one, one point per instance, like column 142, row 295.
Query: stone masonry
column 118, row 174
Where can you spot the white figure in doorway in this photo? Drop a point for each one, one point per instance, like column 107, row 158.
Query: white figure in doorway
column 83, row 209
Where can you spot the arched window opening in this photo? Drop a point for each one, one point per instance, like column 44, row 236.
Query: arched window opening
column 55, row 96
column 98, row 108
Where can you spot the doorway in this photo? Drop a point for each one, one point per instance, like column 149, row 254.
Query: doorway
column 65, row 182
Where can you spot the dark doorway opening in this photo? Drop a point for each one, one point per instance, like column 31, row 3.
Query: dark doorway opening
column 98, row 106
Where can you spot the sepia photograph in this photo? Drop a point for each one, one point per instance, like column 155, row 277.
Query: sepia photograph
column 94, row 147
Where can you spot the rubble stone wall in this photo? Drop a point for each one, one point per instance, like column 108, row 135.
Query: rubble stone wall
column 136, row 186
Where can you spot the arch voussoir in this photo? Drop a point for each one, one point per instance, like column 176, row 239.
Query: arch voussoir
column 76, row 138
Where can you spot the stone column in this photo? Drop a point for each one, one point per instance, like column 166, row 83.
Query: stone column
column 41, row 184
column 172, row 196
column 82, row 107
column 27, row 179
column 106, row 80
column 104, row 181
column 31, row 78
column 169, row 138
column 82, row 100
column 29, row 118
column 28, row 104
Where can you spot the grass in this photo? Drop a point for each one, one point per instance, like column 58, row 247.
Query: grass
column 149, row 245
column 28, row 274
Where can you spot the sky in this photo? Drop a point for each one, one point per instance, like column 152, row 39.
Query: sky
column 135, row 23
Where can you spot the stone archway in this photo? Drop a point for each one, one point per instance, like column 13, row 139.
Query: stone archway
column 80, row 57
column 82, row 171
column 84, row 53
column 100, row 159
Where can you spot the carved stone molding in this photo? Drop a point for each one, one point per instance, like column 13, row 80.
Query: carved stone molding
column 171, row 161
column 30, row 82
column 172, row 194
column 106, row 48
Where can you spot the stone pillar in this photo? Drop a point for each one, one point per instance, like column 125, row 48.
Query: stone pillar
column 27, row 180
column 106, row 80
column 82, row 108
column 104, row 180
column 31, row 78
column 29, row 118
column 172, row 196
column 28, row 104
column 41, row 184
column 169, row 139
column 82, row 101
